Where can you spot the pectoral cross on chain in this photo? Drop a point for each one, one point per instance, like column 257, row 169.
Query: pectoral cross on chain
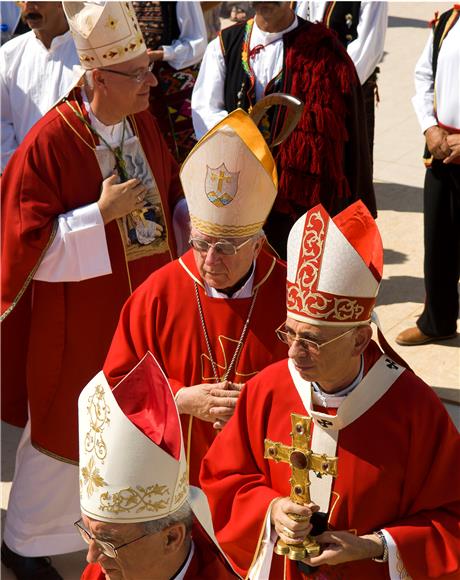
column 301, row 460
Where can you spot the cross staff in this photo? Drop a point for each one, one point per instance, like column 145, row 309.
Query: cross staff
column 301, row 460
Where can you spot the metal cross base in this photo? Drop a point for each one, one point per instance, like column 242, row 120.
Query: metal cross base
column 309, row 547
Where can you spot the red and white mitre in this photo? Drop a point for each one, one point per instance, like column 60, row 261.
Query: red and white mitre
column 105, row 33
column 334, row 267
column 132, row 458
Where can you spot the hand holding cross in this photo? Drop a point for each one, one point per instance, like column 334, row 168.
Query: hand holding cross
column 302, row 460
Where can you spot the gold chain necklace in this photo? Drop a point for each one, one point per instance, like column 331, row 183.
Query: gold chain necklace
column 239, row 346
column 116, row 151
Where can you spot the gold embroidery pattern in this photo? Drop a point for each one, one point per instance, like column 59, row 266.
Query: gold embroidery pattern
column 111, row 23
column 206, row 374
column 301, row 297
column 181, row 488
column 98, row 412
column 138, row 500
column 225, row 231
column 120, row 50
column 91, row 478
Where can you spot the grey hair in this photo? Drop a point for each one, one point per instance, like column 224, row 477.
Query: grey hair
column 183, row 515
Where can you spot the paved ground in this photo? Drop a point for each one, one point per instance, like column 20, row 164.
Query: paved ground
column 399, row 176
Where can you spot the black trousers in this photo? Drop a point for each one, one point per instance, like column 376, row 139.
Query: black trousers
column 442, row 249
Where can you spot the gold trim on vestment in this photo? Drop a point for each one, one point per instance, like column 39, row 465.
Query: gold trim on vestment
column 189, row 444
column 261, row 536
column 32, row 273
column 218, row 230
column 54, row 455
column 191, row 274
column 264, row 279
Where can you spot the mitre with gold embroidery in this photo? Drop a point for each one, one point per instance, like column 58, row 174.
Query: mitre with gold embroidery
column 105, row 33
column 334, row 267
column 230, row 179
column 132, row 460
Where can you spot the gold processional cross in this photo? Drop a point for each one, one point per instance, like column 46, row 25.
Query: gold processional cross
column 302, row 460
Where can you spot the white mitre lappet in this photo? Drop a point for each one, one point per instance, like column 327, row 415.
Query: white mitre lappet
column 105, row 33
column 132, row 459
column 229, row 179
column 334, row 267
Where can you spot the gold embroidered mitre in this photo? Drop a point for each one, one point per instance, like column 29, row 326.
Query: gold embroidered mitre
column 132, row 460
column 229, row 179
column 105, row 33
column 334, row 267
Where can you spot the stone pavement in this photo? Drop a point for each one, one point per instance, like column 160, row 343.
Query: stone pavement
column 399, row 175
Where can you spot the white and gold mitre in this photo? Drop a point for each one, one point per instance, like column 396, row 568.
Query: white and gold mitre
column 334, row 267
column 105, row 33
column 132, row 460
column 230, row 179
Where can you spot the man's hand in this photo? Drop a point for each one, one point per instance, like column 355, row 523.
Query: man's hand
column 436, row 142
column 119, row 199
column 213, row 402
column 453, row 141
column 290, row 531
column 340, row 547
column 155, row 55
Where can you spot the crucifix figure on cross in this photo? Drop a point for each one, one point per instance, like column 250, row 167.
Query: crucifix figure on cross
column 301, row 460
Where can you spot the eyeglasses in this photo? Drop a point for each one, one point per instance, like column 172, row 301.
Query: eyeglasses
column 138, row 77
column 106, row 548
column 313, row 347
column 222, row 247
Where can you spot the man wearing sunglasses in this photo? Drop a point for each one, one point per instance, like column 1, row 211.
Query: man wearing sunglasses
column 364, row 466
column 210, row 317
column 86, row 216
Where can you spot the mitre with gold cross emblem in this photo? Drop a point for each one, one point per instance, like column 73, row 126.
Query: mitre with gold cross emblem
column 105, row 33
column 229, row 179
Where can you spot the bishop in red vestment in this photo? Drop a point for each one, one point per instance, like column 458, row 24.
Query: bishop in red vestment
column 394, row 507
column 210, row 317
column 86, row 217
column 140, row 518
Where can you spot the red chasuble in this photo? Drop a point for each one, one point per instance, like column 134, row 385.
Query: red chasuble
column 162, row 316
column 207, row 562
column 397, row 469
column 56, row 335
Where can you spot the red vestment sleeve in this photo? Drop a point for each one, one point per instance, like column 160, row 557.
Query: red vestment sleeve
column 92, row 572
column 234, row 478
column 430, row 497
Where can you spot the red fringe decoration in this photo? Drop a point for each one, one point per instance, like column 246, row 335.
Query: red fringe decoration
column 319, row 72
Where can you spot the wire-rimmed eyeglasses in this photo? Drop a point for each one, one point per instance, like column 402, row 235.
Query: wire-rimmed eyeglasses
column 107, row 548
column 289, row 337
column 222, row 247
column 139, row 77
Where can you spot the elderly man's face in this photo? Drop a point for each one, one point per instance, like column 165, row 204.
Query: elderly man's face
column 125, row 94
column 42, row 16
column 142, row 559
column 331, row 363
column 220, row 271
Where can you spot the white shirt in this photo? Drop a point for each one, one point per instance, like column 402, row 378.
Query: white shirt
column 366, row 51
column 32, row 79
column 208, row 104
column 79, row 250
column 189, row 48
column 446, row 85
